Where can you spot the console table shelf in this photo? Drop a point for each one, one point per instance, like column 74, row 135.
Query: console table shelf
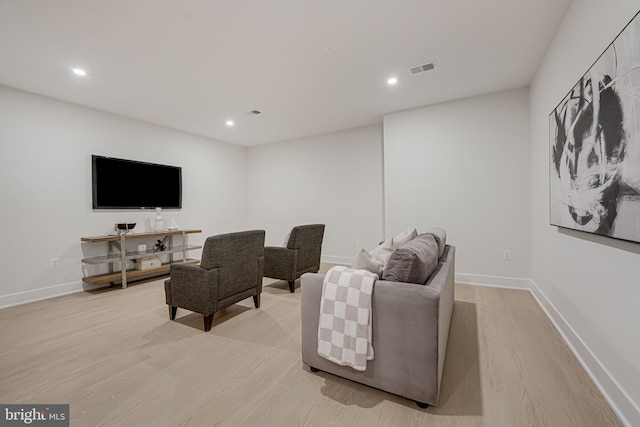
column 118, row 253
column 101, row 279
column 102, row 259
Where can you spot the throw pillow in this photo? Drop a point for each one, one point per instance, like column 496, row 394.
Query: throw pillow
column 441, row 238
column 364, row 261
column 383, row 252
column 404, row 237
column 414, row 262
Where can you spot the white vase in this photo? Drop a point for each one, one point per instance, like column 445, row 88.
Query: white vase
column 158, row 224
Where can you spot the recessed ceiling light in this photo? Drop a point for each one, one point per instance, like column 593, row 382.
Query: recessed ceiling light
column 229, row 122
column 392, row 80
column 79, row 72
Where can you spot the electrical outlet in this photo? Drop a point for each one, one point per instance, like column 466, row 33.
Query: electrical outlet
column 506, row 255
column 54, row 263
column 355, row 243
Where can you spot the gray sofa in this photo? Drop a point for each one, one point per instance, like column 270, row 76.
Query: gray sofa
column 410, row 331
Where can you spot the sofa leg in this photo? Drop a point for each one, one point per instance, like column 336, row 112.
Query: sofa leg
column 172, row 312
column 314, row 369
column 208, row 321
column 256, row 300
column 292, row 286
column 422, row 405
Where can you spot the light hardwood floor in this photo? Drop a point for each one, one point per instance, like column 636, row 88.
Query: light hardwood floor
column 118, row 360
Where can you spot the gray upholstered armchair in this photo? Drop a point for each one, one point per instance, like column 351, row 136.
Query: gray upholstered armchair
column 230, row 270
column 302, row 255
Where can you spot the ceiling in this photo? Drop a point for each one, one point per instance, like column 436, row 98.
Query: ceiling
column 310, row 67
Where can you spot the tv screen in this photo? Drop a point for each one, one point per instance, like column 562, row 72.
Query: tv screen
column 128, row 184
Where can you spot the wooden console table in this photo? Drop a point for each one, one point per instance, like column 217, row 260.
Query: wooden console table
column 118, row 252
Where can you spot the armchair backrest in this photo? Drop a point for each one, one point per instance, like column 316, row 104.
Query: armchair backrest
column 239, row 258
column 308, row 240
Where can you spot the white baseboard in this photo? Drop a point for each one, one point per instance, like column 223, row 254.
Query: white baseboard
column 39, row 294
column 619, row 400
column 494, row 281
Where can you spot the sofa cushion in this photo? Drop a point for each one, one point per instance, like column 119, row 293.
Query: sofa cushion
column 365, row 261
column 414, row 262
column 403, row 238
column 441, row 238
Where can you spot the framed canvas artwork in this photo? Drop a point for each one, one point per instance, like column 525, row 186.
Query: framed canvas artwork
column 594, row 175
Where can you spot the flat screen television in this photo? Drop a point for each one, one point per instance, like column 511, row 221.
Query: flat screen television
column 129, row 184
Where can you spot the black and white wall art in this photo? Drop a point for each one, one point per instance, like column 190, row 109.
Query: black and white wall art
column 595, row 145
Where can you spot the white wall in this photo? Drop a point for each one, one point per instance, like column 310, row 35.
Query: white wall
column 334, row 179
column 590, row 285
column 464, row 165
column 45, row 187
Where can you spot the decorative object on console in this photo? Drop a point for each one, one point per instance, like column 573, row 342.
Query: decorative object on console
column 158, row 223
column 173, row 226
column 159, row 246
column 594, row 135
column 148, row 263
column 123, row 228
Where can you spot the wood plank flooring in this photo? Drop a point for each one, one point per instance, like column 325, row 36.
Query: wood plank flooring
column 118, row 360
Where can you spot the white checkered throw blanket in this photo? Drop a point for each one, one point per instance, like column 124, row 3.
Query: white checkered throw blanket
column 344, row 331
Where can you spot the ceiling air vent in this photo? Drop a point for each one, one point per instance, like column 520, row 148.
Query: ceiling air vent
column 417, row 69
column 254, row 113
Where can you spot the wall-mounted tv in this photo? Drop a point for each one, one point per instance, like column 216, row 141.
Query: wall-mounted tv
column 129, row 184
